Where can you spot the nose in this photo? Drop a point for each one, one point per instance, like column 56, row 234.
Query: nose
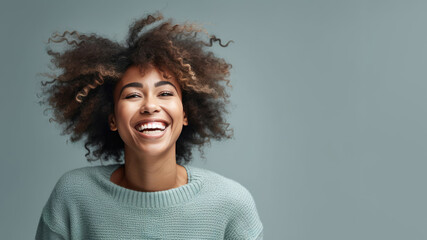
column 150, row 105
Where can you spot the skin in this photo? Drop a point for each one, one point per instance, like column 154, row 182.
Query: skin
column 150, row 163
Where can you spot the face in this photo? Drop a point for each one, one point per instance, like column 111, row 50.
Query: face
column 148, row 112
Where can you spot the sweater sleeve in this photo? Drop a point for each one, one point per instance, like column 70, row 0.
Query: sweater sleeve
column 245, row 222
column 55, row 215
column 45, row 233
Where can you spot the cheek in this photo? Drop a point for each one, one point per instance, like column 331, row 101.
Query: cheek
column 123, row 113
column 178, row 111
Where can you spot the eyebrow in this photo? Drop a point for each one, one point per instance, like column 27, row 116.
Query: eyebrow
column 132, row 84
column 161, row 83
column 139, row 85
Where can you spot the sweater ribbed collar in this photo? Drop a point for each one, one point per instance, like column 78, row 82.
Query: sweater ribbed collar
column 159, row 199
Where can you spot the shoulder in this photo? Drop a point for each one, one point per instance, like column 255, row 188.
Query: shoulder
column 227, row 184
column 66, row 198
column 77, row 180
column 226, row 189
column 85, row 172
column 243, row 221
column 72, row 188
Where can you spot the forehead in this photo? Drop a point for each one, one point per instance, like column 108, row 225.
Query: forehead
column 135, row 73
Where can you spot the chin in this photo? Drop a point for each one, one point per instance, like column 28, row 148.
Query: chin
column 153, row 150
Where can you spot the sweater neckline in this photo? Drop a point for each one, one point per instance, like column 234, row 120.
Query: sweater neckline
column 158, row 199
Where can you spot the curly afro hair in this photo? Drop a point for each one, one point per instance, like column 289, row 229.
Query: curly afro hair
column 81, row 96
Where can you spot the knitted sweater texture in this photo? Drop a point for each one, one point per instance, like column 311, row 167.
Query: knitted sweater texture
column 85, row 204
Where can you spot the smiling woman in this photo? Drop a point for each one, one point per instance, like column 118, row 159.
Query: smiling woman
column 149, row 116
column 144, row 104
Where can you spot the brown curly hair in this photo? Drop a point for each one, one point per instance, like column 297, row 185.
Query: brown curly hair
column 81, row 96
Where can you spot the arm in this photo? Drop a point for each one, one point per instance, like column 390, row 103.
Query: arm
column 55, row 215
column 245, row 223
column 44, row 232
column 260, row 236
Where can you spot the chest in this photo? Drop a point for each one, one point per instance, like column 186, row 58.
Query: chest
column 105, row 220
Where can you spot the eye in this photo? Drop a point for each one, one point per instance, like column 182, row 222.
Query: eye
column 164, row 94
column 132, row 95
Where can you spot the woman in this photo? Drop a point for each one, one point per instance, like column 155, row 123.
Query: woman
column 148, row 101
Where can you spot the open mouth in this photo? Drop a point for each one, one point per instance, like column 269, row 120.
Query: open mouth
column 151, row 128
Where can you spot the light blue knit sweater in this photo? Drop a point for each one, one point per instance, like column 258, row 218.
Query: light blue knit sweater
column 85, row 204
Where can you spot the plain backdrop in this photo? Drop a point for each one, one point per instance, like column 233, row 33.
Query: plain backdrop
column 329, row 110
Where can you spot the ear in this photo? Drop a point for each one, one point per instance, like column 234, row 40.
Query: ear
column 112, row 122
column 185, row 120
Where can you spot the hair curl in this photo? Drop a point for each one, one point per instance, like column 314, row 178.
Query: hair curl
column 81, row 97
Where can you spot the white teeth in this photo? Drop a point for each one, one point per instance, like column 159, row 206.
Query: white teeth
column 152, row 132
column 152, row 125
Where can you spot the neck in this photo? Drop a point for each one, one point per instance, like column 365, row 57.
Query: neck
column 150, row 173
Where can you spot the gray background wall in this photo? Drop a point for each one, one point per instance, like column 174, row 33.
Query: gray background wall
column 329, row 110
